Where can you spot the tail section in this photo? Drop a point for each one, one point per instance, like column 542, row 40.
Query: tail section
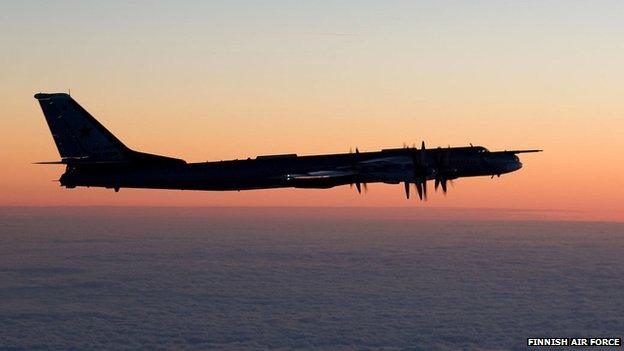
column 80, row 138
column 76, row 133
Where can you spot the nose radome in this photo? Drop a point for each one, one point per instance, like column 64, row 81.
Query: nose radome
column 512, row 166
column 514, row 163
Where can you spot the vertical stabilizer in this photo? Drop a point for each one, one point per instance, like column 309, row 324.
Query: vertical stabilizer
column 76, row 133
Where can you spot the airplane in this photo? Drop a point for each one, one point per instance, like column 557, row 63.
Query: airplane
column 94, row 157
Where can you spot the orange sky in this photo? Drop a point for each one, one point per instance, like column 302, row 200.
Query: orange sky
column 211, row 82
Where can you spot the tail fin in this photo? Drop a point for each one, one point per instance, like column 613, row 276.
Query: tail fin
column 80, row 138
column 76, row 133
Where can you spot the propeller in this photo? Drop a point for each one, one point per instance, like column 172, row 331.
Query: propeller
column 359, row 186
column 443, row 172
column 419, row 188
column 419, row 161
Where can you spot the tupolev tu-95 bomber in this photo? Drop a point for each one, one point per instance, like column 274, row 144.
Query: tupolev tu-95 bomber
column 94, row 157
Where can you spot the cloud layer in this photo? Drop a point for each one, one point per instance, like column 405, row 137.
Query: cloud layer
column 158, row 282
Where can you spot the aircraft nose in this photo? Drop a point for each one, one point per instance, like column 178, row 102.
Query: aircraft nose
column 513, row 166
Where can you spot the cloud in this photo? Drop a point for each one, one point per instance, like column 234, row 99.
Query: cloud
column 197, row 283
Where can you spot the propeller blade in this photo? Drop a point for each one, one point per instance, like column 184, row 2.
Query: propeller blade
column 419, row 189
column 425, row 189
column 437, row 183
column 365, row 187
column 358, row 187
column 444, row 186
column 407, row 190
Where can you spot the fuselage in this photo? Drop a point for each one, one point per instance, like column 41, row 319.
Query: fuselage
column 276, row 171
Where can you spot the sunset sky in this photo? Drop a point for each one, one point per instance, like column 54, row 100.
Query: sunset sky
column 206, row 80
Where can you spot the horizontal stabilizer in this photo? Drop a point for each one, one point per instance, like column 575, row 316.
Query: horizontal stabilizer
column 49, row 163
column 522, row 151
column 133, row 157
column 79, row 162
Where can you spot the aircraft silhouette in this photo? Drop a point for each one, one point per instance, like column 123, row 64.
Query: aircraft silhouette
column 94, row 157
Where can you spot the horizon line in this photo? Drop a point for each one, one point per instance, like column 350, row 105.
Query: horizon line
column 402, row 213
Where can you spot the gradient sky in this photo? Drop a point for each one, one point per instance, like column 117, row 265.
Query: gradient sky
column 218, row 80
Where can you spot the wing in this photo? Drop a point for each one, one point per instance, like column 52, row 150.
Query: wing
column 386, row 162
